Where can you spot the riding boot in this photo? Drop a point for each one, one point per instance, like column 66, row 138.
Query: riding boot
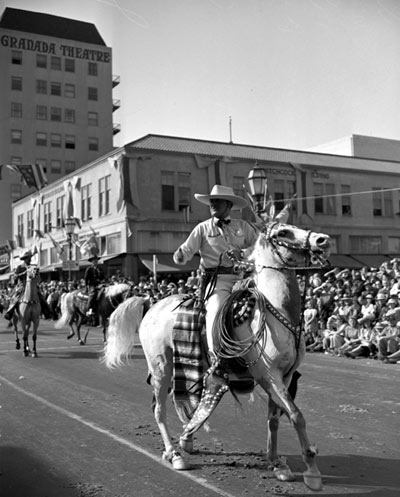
column 10, row 311
column 215, row 384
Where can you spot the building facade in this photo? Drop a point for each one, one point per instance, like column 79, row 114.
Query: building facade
column 139, row 201
column 56, row 99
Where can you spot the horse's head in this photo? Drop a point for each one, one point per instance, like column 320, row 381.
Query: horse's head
column 32, row 272
column 287, row 246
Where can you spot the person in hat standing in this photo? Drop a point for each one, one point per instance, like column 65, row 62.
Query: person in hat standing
column 94, row 275
column 219, row 240
column 20, row 281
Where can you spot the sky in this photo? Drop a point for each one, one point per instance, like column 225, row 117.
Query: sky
column 289, row 73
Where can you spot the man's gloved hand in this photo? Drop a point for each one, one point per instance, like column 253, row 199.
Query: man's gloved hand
column 234, row 254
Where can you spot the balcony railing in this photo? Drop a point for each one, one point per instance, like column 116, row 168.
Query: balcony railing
column 116, row 104
column 116, row 128
column 116, row 80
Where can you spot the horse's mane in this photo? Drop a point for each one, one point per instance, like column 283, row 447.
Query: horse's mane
column 117, row 289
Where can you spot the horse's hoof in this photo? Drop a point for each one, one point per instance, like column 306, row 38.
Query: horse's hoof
column 284, row 474
column 70, row 336
column 186, row 445
column 26, row 353
column 313, row 482
column 81, row 342
column 17, row 345
column 34, row 354
column 176, row 460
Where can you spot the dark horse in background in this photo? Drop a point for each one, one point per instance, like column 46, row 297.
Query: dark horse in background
column 75, row 304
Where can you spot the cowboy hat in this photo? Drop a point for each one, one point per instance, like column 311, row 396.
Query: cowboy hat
column 93, row 257
column 26, row 255
column 223, row 193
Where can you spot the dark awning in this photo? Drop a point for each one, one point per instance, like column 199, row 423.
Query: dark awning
column 344, row 261
column 371, row 260
column 165, row 263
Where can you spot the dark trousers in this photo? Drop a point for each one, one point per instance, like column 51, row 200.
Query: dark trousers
column 92, row 292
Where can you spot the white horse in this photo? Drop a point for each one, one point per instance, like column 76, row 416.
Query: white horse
column 270, row 343
column 29, row 311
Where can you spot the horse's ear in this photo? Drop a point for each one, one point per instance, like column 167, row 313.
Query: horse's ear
column 283, row 216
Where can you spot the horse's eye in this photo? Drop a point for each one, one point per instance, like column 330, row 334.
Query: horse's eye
column 283, row 233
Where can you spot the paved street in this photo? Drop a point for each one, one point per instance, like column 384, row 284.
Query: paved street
column 71, row 428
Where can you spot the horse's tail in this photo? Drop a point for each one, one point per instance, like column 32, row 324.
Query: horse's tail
column 66, row 312
column 124, row 323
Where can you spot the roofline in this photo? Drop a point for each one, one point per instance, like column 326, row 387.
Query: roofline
column 260, row 147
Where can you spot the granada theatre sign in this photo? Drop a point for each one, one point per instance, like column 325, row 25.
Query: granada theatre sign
column 45, row 47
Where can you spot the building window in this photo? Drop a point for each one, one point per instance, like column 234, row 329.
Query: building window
column 41, row 86
column 69, row 65
column 16, row 83
column 104, row 195
column 382, row 201
column 167, row 191
column 15, row 191
column 41, row 60
column 346, row 200
column 365, row 244
column 55, row 89
column 55, row 63
column 92, row 93
column 47, row 217
column 16, row 109
column 394, row 245
column 92, row 69
column 93, row 144
column 55, row 167
column 69, row 90
column 324, row 201
column 238, row 182
column 41, row 112
column 43, row 163
column 70, row 141
column 60, row 211
column 70, row 166
column 30, row 223
column 41, row 139
column 279, row 194
column 16, row 57
column 55, row 114
column 44, row 258
column 69, row 115
column 114, row 243
column 86, row 202
column 20, row 226
column 55, row 140
column 93, row 119
column 184, row 191
column 16, row 136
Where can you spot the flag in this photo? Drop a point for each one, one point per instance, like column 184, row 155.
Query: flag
column 31, row 174
column 89, row 247
column 69, row 200
column 59, row 248
column 122, row 167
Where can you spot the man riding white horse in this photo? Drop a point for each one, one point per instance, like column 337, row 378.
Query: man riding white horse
column 20, row 281
column 93, row 277
column 220, row 241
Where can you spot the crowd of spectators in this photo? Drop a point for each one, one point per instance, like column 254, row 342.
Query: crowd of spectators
column 354, row 312
column 347, row 312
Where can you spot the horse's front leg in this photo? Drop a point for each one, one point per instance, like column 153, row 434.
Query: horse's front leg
column 277, row 464
column 279, row 394
column 78, row 325
column 15, row 324
column 34, row 337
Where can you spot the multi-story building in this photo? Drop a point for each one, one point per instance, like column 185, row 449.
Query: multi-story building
column 139, row 202
column 56, row 101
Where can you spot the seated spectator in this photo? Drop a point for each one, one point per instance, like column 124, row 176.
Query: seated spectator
column 317, row 345
column 367, row 346
column 332, row 338
column 351, row 337
column 367, row 310
column 389, row 341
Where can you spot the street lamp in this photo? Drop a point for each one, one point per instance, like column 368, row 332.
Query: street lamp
column 258, row 186
column 70, row 228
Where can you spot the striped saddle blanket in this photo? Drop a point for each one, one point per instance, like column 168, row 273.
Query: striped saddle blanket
column 189, row 356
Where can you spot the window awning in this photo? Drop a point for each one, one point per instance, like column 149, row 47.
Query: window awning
column 344, row 261
column 371, row 260
column 165, row 263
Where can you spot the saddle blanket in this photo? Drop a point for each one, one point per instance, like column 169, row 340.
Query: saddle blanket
column 188, row 359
